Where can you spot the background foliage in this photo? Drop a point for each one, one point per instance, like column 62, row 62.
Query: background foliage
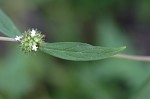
column 111, row 23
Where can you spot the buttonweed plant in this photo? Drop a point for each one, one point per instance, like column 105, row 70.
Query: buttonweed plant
column 32, row 41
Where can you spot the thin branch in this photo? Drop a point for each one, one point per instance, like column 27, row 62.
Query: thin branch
column 119, row 56
column 7, row 39
column 132, row 57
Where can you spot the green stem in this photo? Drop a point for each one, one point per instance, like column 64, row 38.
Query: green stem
column 132, row 57
column 119, row 56
column 7, row 39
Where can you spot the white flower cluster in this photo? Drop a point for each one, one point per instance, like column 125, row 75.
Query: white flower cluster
column 30, row 40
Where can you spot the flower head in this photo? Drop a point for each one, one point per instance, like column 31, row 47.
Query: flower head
column 30, row 40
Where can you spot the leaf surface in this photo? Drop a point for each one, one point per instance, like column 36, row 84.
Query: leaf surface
column 76, row 51
column 7, row 27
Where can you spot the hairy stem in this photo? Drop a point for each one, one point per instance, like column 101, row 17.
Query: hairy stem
column 7, row 39
column 132, row 57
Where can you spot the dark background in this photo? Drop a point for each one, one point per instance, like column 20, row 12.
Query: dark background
column 109, row 23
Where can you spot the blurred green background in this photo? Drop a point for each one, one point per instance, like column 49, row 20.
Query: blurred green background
column 110, row 23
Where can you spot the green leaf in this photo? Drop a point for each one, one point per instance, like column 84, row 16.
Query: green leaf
column 76, row 51
column 7, row 27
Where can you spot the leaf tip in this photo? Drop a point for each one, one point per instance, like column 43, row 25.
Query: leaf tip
column 123, row 48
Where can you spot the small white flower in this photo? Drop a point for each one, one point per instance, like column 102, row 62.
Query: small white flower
column 34, row 48
column 18, row 38
column 33, row 32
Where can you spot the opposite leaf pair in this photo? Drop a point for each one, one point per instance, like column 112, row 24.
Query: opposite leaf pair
column 32, row 41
